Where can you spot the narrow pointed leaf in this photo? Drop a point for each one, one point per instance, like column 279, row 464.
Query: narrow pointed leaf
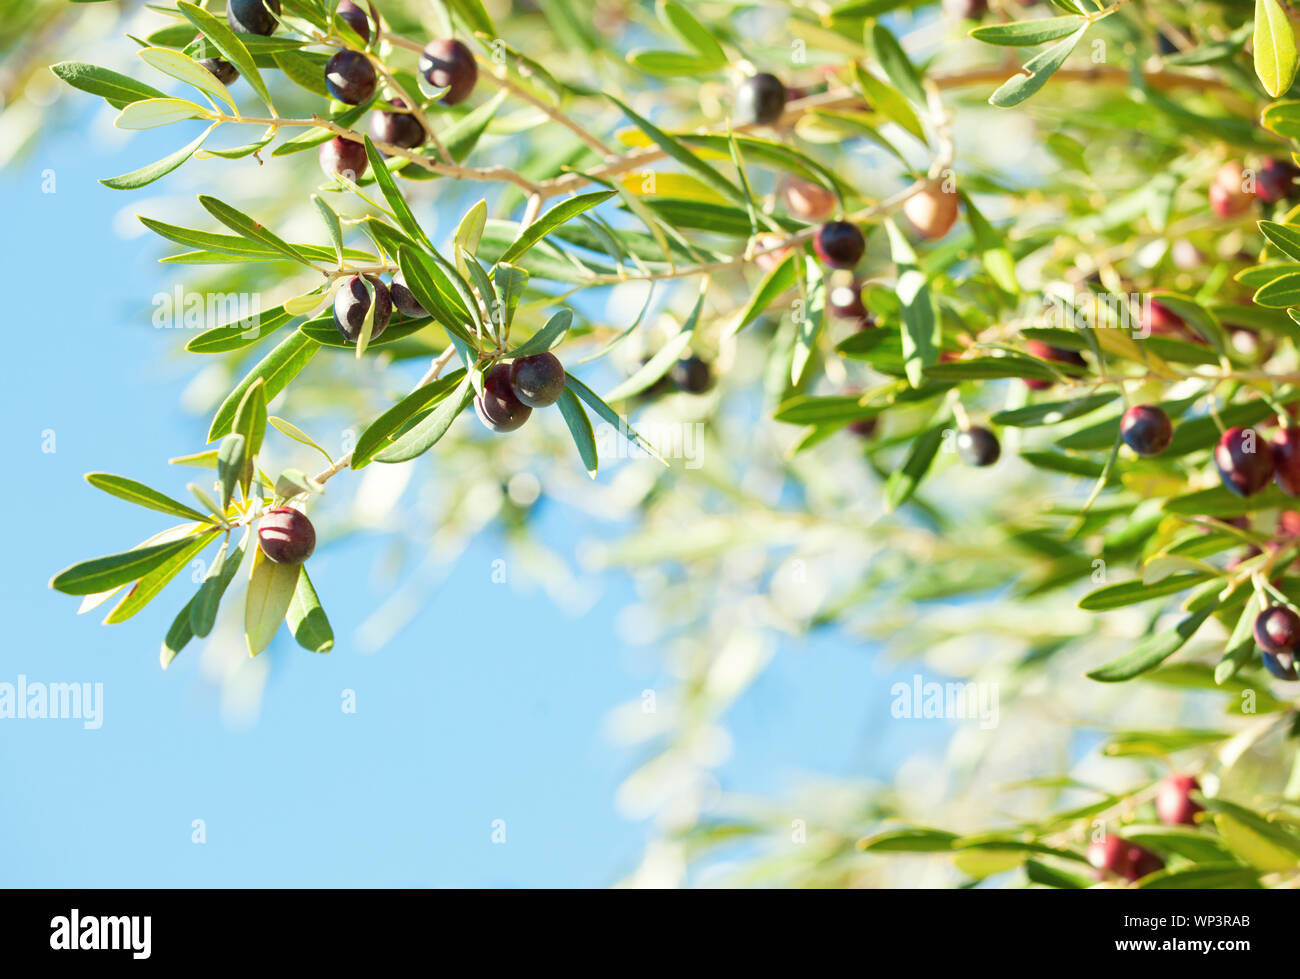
column 228, row 43
column 380, row 433
column 575, row 417
column 155, row 113
column 178, row 636
column 612, row 417
column 896, row 64
column 1026, row 32
column 203, row 609
column 231, row 456
column 306, row 619
column 902, row 483
column 241, row 223
column 426, row 434
column 331, row 225
column 181, row 66
column 396, row 202
column 510, row 282
column 663, row 360
column 270, row 590
column 298, row 435
column 1037, row 71
column 117, row 89
column 674, row 148
column 679, row 18
column 888, row 102
column 1152, row 651
column 142, row 495
column 548, row 337
column 276, row 370
column 1275, row 49
column 921, row 337
column 159, row 168
column 104, row 573
column 551, row 220
column 250, row 417
column 774, row 283
column 147, row 588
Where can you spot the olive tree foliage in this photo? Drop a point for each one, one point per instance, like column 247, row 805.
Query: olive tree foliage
column 599, row 197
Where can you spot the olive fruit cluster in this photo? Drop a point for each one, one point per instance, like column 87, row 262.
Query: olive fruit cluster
column 349, row 75
column 449, row 64
column 760, row 101
column 840, row 244
column 1246, row 462
column 1231, row 193
column 347, row 157
column 247, row 17
column 511, row 391
column 352, row 302
column 1174, row 807
column 351, row 78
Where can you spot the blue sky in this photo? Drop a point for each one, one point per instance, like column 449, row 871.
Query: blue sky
column 456, row 725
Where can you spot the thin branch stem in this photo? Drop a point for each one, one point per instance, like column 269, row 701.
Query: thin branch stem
column 487, row 174
column 503, row 81
column 848, row 98
column 838, row 99
column 532, row 209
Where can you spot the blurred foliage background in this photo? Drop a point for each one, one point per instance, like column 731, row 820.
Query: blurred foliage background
column 784, row 529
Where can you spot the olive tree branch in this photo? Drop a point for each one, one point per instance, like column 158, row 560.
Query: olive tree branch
column 503, row 81
column 486, row 174
column 615, row 165
column 849, row 98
